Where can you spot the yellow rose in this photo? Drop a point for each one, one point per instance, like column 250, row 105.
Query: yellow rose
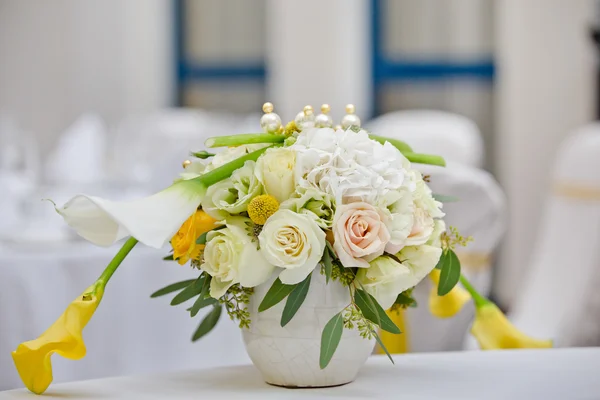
column 184, row 241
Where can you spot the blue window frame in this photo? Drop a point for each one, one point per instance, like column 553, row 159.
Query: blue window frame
column 387, row 70
column 191, row 71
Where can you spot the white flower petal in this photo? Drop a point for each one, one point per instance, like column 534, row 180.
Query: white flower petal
column 254, row 269
column 291, row 276
column 152, row 220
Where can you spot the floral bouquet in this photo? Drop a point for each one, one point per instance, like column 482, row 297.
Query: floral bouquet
column 305, row 234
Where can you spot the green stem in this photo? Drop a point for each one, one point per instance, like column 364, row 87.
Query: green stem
column 425, row 159
column 478, row 299
column 399, row 144
column 225, row 171
column 116, row 261
column 245, row 138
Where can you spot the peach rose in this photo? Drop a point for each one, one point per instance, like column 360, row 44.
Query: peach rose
column 360, row 234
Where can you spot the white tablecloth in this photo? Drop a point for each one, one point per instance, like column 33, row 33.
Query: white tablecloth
column 129, row 334
column 526, row 374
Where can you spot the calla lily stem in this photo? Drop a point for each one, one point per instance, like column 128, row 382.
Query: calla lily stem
column 244, row 138
column 116, row 261
column 225, row 171
column 399, row 144
column 425, row 159
column 478, row 299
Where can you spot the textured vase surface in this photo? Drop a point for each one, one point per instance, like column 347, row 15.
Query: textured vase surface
column 289, row 356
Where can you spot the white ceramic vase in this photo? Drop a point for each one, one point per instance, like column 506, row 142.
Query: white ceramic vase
column 289, row 356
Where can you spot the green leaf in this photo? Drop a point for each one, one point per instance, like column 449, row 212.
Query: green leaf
column 444, row 198
column 208, row 322
column 203, row 299
column 327, row 264
column 202, row 238
column 330, row 339
column 201, row 154
column 405, row 300
column 295, row 300
column 192, row 290
column 200, row 303
column 450, row 274
column 383, row 346
column 277, row 292
column 169, row 258
column 442, row 260
column 173, row 287
column 372, row 311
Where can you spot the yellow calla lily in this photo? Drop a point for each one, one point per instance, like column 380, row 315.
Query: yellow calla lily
column 449, row 305
column 494, row 331
column 32, row 358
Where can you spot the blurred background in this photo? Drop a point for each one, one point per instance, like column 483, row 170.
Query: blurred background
column 107, row 97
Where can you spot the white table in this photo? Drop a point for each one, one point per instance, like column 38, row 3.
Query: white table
column 526, row 374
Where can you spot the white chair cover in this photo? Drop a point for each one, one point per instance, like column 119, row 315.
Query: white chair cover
column 129, row 333
column 480, row 212
column 452, row 136
column 559, row 298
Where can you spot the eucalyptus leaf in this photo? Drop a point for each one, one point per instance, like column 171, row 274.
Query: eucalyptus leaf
column 405, row 300
column 190, row 291
column 200, row 303
column 330, row 339
column 442, row 260
column 295, row 300
column 208, row 323
column 202, row 238
column 450, row 273
column 277, row 292
column 169, row 258
column 172, row 288
column 380, row 342
column 372, row 311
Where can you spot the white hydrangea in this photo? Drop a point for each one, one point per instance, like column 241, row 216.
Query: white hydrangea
column 348, row 165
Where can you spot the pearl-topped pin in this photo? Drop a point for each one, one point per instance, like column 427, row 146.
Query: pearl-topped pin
column 350, row 119
column 324, row 120
column 270, row 122
column 305, row 119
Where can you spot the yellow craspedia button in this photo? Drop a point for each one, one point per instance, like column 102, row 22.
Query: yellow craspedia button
column 261, row 208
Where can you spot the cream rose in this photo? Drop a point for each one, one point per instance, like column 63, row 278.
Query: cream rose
column 231, row 257
column 360, row 233
column 293, row 242
column 275, row 170
column 386, row 278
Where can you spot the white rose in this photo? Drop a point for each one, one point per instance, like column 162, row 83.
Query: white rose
column 386, row 278
column 231, row 196
column 275, row 170
column 231, row 257
column 293, row 242
column 426, row 208
column 400, row 206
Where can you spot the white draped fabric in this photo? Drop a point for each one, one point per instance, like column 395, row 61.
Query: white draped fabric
column 492, row 375
column 480, row 212
column 129, row 334
column 559, row 298
column 452, row 136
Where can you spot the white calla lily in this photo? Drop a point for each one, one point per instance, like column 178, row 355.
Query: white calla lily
column 152, row 220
